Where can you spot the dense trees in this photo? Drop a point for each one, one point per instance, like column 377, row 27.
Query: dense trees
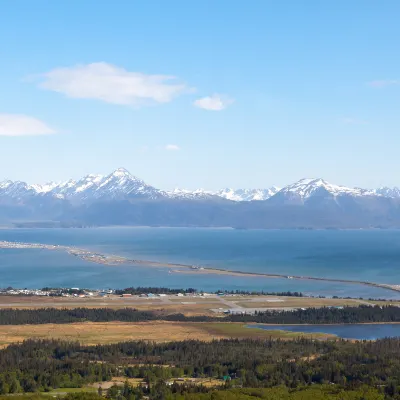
column 257, row 364
column 323, row 315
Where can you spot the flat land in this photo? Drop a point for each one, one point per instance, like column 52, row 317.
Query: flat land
column 92, row 333
column 297, row 302
column 207, row 382
column 239, row 331
column 101, row 333
column 210, row 305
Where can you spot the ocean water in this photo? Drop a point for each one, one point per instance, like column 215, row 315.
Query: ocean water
column 348, row 331
column 369, row 255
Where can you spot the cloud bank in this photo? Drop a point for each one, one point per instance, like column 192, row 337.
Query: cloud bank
column 22, row 125
column 112, row 84
column 215, row 102
column 172, row 147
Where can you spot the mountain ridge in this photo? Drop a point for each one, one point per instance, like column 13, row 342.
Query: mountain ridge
column 121, row 184
column 120, row 198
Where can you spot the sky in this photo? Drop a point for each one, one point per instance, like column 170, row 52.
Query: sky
column 211, row 94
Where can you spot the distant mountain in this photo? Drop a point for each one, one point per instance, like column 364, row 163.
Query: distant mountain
column 228, row 194
column 308, row 189
column 247, row 194
column 123, row 199
column 178, row 193
column 388, row 192
column 118, row 185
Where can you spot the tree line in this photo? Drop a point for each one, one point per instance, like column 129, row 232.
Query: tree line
column 324, row 315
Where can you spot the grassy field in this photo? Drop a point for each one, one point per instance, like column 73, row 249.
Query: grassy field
column 191, row 307
column 107, row 332
column 158, row 331
column 296, row 302
column 238, row 330
column 173, row 304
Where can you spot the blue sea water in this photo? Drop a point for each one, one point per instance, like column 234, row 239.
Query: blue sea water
column 369, row 255
column 348, row 331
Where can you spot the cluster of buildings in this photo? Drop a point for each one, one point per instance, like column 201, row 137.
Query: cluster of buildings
column 27, row 292
column 63, row 292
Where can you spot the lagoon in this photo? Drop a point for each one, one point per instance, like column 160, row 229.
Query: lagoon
column 344, row 331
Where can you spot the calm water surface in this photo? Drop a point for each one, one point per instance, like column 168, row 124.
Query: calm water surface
column 359, row 255
column 350, row 331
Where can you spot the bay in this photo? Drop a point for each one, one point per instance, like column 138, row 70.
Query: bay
column 348, row 331
column 369, row 255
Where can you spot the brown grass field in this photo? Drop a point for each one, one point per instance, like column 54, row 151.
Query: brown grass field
column 298, row 302
column 172, row 304
column 159, row 331
column 190, row 308
column 101, row 333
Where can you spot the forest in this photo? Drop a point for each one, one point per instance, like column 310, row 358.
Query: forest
column 324, row 315
column 247, row 369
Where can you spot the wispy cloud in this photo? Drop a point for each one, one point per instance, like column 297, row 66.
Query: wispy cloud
column 22, row 125
column 354, row 121
column 215, row 102
column 112, row 84
column 172, row 147
column 384, row 83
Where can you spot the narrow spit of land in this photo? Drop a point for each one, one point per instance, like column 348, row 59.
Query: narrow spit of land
column 106, row 259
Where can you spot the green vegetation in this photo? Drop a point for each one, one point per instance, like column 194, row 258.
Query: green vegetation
column 246, row 369
column 233, row 330
column 323, row 315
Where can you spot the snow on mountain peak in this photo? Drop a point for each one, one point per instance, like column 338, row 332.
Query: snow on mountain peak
column 179, row 193
column 247, row 194
column 306, row 187
column 388, row 192
column 121, row 172
column 122, row 185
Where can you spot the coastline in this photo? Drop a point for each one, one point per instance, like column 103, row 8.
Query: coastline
column 105, row 259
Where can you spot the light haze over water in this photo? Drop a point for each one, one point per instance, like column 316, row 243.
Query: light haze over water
column 368, row 255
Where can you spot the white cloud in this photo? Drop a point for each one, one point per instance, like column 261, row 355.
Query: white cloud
column 172, row 147
column 22, row 125
column 383, row 83
column 215, row 102
column 354, row 121
column 112, row 84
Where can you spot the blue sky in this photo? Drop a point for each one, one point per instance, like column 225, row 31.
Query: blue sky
column 201, row 93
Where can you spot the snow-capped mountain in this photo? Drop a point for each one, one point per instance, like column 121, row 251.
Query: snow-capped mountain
column 118, row 185
column 306, row 189
column 388, row 192
column 122, row 199
column 228, row 194
column 179, row 193
column 16, row 190
column 247, row 194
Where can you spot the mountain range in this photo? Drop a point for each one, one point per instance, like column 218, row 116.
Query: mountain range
column 123, row 199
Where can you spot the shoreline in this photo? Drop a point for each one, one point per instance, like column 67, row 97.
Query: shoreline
column 111, row 260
